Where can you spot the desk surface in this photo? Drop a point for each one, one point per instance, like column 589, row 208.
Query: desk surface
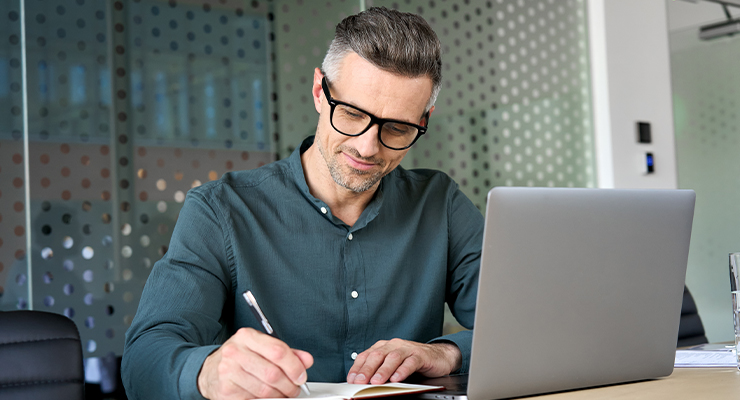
column 684, row 383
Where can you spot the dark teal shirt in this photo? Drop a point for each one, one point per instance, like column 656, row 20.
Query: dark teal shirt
column 326, row 287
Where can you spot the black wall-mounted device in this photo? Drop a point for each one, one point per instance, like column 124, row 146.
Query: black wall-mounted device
column 643, row 132
column 649, row 163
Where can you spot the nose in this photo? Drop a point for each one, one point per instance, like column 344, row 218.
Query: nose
column 368, row 144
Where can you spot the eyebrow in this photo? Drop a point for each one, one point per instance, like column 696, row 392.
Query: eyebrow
column 328, row 86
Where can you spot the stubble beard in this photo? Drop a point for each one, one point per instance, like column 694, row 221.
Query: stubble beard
column 343, row 179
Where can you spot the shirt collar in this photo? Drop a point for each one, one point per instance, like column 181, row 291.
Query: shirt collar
column 370, row 212
column 294, row 160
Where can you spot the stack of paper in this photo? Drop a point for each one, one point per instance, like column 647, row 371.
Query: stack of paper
column 706, row 356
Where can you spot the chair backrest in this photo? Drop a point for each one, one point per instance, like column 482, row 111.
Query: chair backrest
column 40, row 357
column 690, row 330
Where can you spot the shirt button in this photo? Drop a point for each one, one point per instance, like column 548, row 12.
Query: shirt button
column 353, row 355
column 350, row 236
column 354, row 294
column 323, row 210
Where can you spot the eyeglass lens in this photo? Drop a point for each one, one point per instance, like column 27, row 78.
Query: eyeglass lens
column 351, row 121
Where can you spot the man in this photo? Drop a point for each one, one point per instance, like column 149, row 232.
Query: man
column 350, row 256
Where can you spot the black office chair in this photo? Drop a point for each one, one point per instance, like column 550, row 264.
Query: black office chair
column 40, row 357
column 690, row 330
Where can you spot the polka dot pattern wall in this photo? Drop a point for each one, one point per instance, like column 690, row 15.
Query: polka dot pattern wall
column 303, row 30
column 130, row 104
column 133, row 102
column 13, row 277
column 515, row 106
column 514, row 109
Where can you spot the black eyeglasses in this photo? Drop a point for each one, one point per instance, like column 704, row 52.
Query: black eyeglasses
column 352, row 121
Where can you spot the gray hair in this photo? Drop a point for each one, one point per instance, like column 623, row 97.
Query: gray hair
column 394, row 41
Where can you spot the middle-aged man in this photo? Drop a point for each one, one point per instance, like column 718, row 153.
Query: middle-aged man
column 350, row 256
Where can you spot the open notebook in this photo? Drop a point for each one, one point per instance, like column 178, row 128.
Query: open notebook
column 349, row 391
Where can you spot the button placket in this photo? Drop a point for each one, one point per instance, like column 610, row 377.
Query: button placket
column 356, row 306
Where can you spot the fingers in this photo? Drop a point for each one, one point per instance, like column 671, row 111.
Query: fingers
column 222, row 376
column 375, row 362
column 290, row 365
column 252, row 365
column 354, row 372
column 408, row 367
column 259, row 375
column 393, row 360
column 305, row 357
column 242, row 384
column 398, row 364
column 397, row 359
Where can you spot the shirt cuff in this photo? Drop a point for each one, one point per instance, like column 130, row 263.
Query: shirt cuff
column 464, row 341
column 188, row 382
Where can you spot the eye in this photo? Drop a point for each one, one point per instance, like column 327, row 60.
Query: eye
column 399, row 129
column 350, row 113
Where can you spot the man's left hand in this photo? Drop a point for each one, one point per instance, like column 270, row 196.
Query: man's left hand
column 394, row 360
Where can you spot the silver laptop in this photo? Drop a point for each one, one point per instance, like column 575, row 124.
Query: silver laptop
column 578, row 288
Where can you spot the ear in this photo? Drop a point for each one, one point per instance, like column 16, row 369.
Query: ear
column 428, row 116
column 316, row 90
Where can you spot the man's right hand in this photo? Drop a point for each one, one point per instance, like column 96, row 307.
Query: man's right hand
column 253, row 365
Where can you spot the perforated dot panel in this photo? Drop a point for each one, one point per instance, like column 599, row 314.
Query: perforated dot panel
column 303, row 30
column 131, row 103
column 515, row 103
column 14, row 279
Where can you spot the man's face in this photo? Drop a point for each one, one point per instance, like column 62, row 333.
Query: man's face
column 358, row 163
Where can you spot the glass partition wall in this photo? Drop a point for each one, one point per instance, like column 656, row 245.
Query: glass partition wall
column 706, row 102
column 114, row 109
column 129, row 104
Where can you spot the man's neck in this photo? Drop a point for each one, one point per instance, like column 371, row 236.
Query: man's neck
column 344, row 203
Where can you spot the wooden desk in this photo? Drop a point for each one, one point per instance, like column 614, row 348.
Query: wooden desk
column 684, row 383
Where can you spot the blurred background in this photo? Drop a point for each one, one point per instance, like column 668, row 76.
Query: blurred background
column 112, row 110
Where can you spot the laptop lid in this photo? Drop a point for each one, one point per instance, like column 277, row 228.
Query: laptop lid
column 578, row 288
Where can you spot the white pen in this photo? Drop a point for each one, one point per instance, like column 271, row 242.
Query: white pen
column 257, row 311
